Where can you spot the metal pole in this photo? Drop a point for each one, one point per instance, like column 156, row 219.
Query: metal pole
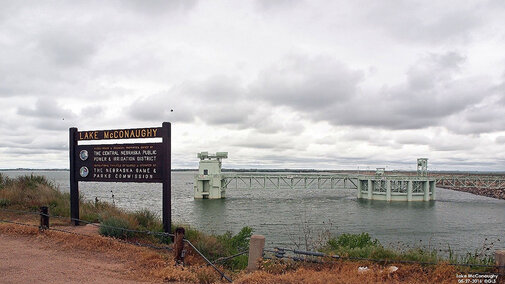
column 209, row 262
column 167, row 177
column 74, row 185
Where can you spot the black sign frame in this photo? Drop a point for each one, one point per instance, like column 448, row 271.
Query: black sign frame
column 152, row 163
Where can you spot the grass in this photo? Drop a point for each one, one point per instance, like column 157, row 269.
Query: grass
column 31, row 192
column 147, row 265
column 363, row 246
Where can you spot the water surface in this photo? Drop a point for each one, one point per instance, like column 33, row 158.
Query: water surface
column 284, row 216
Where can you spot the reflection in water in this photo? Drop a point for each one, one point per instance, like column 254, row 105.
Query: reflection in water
column 460, row 219
column 210, row 214
column 367, row 203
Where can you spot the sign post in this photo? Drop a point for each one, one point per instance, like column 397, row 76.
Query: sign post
column 167, row 173
column 129, row 162
column 74, row 185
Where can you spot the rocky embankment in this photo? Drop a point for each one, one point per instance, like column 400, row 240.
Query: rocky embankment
column 494, row 193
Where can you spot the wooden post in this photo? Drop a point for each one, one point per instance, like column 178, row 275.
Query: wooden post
column 74, row 185
column 499, row 257
column 179, row 245
column 256, row 246
column 44, row 218
column 167, row 175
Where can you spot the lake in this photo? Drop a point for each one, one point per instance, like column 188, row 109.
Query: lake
column 285, row 216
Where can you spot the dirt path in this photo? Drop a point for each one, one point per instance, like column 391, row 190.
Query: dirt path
column 25, row 259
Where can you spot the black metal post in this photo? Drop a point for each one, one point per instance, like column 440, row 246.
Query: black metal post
column 44, row 218
column 74, row 185
column 167, row 177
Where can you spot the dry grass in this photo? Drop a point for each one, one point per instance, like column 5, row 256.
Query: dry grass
column 149, row 265
column 346, row 272
column 30, row 192
column 144, row 264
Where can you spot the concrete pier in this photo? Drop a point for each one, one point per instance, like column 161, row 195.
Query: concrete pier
column 210, row 183
column 396, row 188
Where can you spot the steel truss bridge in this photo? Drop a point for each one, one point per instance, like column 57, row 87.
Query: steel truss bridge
column 336, row 181
column 293, row 181
column 471, row 181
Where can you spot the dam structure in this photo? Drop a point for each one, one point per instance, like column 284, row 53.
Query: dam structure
column 211, row 183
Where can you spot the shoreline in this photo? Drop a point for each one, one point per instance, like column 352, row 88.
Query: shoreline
column 492, row 193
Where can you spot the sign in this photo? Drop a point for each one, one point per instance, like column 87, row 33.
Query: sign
column 136, row 133
column 139, row 162
column 120, row 163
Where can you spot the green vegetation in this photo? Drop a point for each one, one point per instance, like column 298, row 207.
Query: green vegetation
column 31, row 192
column 115, row 227
column 351, row 241
column 363, row 246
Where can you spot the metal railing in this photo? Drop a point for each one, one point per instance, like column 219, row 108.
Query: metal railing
column 275, row 253
column 319, row 257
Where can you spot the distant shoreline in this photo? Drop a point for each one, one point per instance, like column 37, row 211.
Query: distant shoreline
column 295, row 171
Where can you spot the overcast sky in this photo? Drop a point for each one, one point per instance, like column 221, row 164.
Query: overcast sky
column 276, row 83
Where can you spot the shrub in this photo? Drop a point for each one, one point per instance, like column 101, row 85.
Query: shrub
column 237, row 243
column 147, row 220
column 4, row 180
column 32, row 181
column 115, row 227
column 234, row 244
column 214, row 247
column 351, row 241
column 420, row 255
column 29, row 192
column 4, row 202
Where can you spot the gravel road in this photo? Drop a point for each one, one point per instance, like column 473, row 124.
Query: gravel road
column 25, row 259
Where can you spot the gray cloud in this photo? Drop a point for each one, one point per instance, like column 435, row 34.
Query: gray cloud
column 279, row 83
column 434, row 69
column 431, row 92
column 47, row 108
column 158, row 7
column 484, row 118
column 448, row 145
column 217, row 100
column 500, row 139
column 92, row 111
column 433, row 22
column 306, row 83
column 47, row 114
column 67, row 48
column 159, row 107
column 269, row 5
column 413, row 139
column 259, row 141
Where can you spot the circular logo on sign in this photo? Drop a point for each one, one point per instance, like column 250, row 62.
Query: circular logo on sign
column 83, row 155
column 84, row 172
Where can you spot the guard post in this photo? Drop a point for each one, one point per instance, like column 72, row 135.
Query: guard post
column 129, row 162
